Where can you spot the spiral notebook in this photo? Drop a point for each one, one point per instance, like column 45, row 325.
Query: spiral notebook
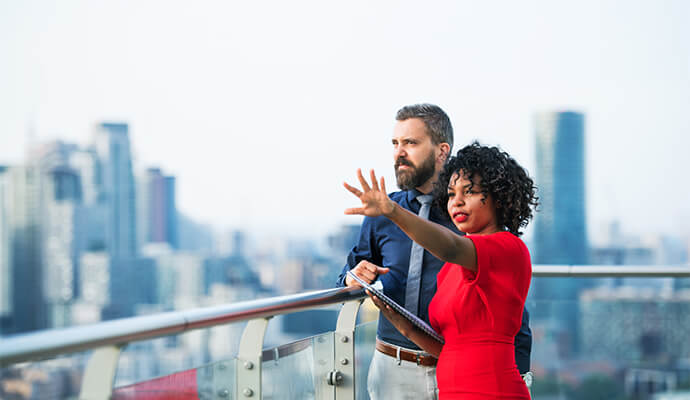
column 416, row 321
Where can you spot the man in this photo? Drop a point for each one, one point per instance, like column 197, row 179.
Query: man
column 422, row 141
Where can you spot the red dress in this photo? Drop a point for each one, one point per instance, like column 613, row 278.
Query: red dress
column 479, row 314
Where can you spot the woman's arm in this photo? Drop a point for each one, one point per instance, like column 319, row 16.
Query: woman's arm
column 445, row 244
column 439, row 240
column 407, row 329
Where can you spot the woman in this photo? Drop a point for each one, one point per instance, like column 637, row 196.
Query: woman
column 483, row 285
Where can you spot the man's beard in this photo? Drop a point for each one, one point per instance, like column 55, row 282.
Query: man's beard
column 410, row 179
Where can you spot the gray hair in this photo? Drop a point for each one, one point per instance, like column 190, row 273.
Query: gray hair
column 435, row 119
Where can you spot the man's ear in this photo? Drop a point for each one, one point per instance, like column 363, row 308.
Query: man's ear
column 444, row 152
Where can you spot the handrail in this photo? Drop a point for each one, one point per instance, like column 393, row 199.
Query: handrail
column 611, row 271
column 45, row 344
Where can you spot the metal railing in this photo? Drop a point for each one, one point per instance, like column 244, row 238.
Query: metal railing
column 49, row 343
column 110, row 336
column 610, row 271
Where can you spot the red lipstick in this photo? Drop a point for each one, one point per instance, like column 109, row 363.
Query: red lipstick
column 460, row 217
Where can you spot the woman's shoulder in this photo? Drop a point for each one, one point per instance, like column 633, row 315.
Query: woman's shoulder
column 499, row 243
column 509, row 239
column 502, row 238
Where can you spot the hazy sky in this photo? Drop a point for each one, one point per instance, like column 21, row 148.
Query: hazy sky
column 262, row 109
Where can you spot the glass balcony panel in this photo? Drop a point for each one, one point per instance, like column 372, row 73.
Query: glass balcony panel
column 365, row 345
column 299, row 370
column 165, row 356
column 215, row 380
column 58, row 378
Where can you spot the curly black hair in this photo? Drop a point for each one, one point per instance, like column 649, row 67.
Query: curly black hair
column 512, row 190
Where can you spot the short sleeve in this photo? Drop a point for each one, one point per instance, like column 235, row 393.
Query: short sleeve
column 503, row 265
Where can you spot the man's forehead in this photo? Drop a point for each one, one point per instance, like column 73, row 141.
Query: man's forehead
column 411, row 127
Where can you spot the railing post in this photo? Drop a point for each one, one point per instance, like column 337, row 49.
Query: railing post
column 97, row 383
column 249, row 360
column 345, row 351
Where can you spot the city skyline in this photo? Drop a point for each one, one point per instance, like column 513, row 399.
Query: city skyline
column 209, row 96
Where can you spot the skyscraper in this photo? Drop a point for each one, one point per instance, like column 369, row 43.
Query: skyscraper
column 5, row 270
column 23, row 230
column 158, row 213
column 560, row 235
column 60, row 204
column 61, row 207
column 111, row 143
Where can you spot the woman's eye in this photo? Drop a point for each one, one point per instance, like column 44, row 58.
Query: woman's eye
column 451, row 194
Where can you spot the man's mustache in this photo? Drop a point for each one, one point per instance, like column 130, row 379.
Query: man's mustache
column 402, row 161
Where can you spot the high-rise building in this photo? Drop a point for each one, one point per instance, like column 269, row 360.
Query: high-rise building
column 157, row 212
column 60, row 204
column 5, row 270
column 560, row 234
column 61, row 207
column 22, row 212
column 116, row 181
column 73, row 221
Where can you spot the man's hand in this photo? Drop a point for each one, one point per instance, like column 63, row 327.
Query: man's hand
column 366, row 271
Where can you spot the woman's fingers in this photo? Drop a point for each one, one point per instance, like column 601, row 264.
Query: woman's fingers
column 354, row 211
column 374, row 183
column 352, row 189
column 365, row 184
column 362, row 181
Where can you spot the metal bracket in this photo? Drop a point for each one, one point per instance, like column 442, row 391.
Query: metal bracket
column 216, row 381
column 335, row 378
column 249, row 359
column 345, row 351
column 99, row 375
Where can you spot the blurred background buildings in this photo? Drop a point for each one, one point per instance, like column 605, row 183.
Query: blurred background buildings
column 229, row 109
column 87, row 235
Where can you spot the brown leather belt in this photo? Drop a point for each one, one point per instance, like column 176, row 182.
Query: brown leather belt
column 420, row 358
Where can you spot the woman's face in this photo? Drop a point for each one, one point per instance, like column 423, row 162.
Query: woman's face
column 471, row 211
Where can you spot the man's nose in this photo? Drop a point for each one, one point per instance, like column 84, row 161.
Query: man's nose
column 398, row 152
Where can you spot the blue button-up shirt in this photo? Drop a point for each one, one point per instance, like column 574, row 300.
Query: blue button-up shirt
column 381, row 242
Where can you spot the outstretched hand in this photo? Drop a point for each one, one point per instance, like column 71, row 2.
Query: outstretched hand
column 374, row 199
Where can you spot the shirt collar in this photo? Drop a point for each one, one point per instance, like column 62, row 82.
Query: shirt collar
column 412, row 194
